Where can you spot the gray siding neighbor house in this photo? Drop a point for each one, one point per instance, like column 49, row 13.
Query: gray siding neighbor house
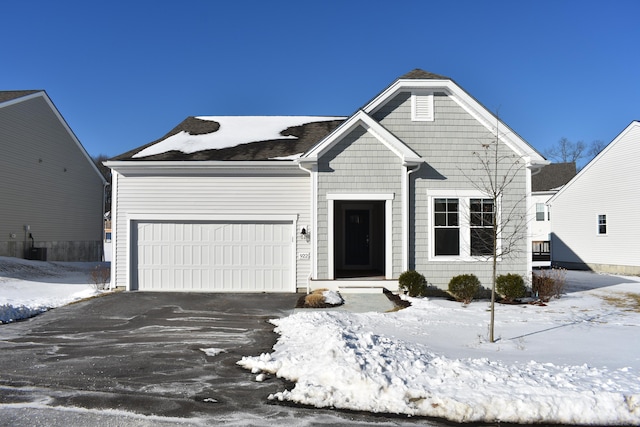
column 51, row 197
column 594, row 217
column 282, row 204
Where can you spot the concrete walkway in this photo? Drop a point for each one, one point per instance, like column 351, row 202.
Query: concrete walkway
column 359, row 303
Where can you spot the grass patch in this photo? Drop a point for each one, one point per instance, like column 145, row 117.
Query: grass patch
column 626, row 301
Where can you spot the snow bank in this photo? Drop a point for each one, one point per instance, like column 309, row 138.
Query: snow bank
column 28, row 288
column 406, row 363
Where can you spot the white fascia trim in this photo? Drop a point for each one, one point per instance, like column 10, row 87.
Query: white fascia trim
column 42, row 94
column 593, row 161
column 372, row 127
column 360, row 196
column 468, row 103
column 190, row 167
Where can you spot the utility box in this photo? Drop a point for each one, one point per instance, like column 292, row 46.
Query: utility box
column 36, row 254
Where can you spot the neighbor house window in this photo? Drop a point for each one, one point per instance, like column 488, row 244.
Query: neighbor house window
column 446, row 227
column 602, row 224
column 481, row 219
column 539, row 211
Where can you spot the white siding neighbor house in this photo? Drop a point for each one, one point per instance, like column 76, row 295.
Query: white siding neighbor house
column 282, row 204
column 51, row 192
column 544, row 184
column 594, row 218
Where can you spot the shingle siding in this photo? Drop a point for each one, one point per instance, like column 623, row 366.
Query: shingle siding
column 359, row 164
column 228, row 196
column 49, row 184
column 447, row 144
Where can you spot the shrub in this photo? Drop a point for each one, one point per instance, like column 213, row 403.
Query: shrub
column 464, row 287
column 548, row 283
column 100, row 276
column 413, row 283
column 511, row 286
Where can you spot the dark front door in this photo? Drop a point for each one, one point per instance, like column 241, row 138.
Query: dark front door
column 356, row 235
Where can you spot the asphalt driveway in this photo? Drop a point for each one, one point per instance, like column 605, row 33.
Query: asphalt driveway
column 154, row 359
column 161, row 354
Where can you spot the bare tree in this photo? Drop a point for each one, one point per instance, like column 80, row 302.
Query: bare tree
column 579, row 152
column 495, row 173
column 566, row 151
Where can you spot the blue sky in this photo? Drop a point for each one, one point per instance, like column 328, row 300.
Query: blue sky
column 123, row 73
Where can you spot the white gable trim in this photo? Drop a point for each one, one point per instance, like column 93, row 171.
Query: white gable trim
column 45, row 97
column 468, row 103
column 374, row 128
column 633, row 125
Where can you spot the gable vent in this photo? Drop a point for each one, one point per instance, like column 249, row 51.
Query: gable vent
column 422, row 106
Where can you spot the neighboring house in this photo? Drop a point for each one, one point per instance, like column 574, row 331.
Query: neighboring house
column 594, row 218
column 280, row 204
column 544, row 184
column 51, row 195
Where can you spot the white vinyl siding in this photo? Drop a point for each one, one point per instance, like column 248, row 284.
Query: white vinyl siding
column 227, row 197
column 609, row 185
column 47, row 182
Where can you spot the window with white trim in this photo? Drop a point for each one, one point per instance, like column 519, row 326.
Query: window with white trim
column 602, row 224
column 422, row 106
column 446, row 227
column 539, row 211
column 462, row 225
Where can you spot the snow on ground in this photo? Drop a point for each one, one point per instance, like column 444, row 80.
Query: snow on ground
column 28, row 288
column 575, row 360
column 234, row 130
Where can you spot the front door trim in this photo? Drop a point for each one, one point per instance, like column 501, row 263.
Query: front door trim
column 388, row 229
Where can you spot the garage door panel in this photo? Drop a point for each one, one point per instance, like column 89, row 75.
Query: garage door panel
column 219, row 257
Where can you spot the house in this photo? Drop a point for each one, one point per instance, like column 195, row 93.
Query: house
column 280, row 204
column 594, row 221
column 544, row 184
column 51, row 195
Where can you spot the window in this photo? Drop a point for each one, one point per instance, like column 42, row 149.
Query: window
column 481, row 226
column 602, row 224
column 446, row 227
column 462, row 225
column 539, row 211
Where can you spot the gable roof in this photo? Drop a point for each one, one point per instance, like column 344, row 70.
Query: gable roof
column 631, row 131
column 553, row 176
column 8, row 98
column 360, row 118
column 237, row 138
column 8, row 95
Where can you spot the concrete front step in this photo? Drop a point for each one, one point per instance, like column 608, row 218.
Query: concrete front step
column 353, row 285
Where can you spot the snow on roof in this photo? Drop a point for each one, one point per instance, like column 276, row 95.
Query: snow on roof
column 233, row 131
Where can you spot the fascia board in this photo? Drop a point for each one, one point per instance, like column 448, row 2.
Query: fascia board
column 128, row 168
column 404, row 85
column 64, row 124
column 22, row 99
column 374, row 128
column 593, row 161
column 468, row 103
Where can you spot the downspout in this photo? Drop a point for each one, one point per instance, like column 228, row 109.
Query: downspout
column 104, row 199
column 406, row 213
column 312, row 258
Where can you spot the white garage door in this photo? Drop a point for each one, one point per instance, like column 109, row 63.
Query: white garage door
column 214, row 257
